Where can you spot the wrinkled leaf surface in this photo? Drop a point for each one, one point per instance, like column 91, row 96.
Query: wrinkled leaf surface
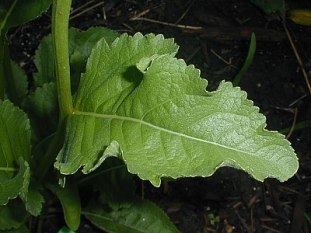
column 157, row 108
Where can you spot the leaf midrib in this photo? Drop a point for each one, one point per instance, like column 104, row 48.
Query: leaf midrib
column 139, row 121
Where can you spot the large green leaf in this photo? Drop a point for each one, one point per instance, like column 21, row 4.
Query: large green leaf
column 167, row 125
column 14, row 149
column 141, row 217
column 15, row 12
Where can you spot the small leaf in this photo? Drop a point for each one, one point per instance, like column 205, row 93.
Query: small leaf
column 70, row 201
column 166, row 123
column 141, row 217
column 44, row 61
column 33, row 200
column 12, row 215
column 44, row 101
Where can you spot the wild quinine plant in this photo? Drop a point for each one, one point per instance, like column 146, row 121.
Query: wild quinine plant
column 110, row 107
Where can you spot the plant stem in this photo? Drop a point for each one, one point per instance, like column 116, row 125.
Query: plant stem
column 60, row 19
column 1, row 66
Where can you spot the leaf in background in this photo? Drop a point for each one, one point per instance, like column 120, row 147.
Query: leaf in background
column 42, row 108
column 14, row 149
column 80, row 47
column 22, row 229
column 271, row 7
column 300, row 16
column 165, row 122
column 44, row 62
column 248, row 61
column 70, row 201
column 12, row 215
column 115, row 184
column 20, row 81
column 16, row 12
column 141, row 217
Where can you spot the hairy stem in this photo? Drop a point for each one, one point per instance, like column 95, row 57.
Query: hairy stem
column 60, row 19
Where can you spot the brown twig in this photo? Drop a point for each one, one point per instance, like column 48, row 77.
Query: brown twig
column 81, row 7
column 300, row 63
column 192, row 54
column 86, row 10
column 184, row 14
column 292, row 128
column 181, row 26
column 270, row 229
column 223, row 60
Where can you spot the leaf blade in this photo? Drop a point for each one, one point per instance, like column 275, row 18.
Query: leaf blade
column 164, row 120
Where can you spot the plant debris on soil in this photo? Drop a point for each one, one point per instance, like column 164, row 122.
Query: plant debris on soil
column 214, row 35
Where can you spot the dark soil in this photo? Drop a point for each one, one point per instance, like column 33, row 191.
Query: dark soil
column 229, row 201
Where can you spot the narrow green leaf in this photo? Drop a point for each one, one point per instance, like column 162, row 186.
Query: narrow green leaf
column 141, row 217
column 166, row 123
column 70, row 201
column 248, row 61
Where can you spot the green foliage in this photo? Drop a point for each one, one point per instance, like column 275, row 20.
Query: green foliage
column 141, row 217
column 271, row 7
column 70, row 201
column 198, row 131
column 137, row 111
column 14, row 153
column 16, row 12
column 13, row 215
